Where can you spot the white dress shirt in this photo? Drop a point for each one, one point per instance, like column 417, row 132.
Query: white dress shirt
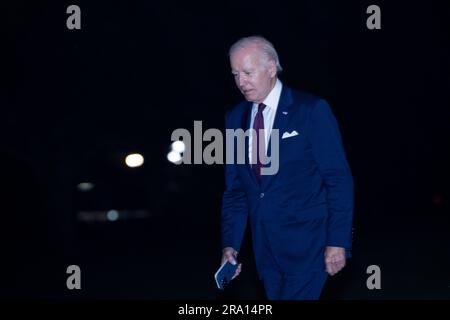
column 269, row 112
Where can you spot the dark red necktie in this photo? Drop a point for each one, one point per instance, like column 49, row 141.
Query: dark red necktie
column 258, row 141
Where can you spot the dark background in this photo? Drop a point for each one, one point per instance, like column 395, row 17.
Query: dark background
column 75, row 102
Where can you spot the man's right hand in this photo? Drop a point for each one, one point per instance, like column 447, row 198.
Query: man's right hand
column 230, row 255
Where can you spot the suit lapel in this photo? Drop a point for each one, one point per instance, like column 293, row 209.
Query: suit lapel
column 245, row 125
column 282, row 116
column 246, row 118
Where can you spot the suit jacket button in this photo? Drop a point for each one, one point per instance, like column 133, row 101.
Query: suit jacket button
column 261, row 195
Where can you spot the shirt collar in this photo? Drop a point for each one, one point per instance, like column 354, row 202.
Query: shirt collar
column 272, row 99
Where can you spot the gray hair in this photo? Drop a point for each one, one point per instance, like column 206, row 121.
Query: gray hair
column 264, row 45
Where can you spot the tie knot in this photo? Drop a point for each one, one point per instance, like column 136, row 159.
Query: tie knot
column 261, row 107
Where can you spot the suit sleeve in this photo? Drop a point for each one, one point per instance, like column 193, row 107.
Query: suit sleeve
column 330, row 156
column 234, row 206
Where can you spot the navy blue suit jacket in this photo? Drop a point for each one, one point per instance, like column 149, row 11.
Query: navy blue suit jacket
column 308, row 204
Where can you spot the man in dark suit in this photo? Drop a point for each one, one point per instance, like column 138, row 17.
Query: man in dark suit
column 301, row 216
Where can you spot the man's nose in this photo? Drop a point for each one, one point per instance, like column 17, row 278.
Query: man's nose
column 242, row 82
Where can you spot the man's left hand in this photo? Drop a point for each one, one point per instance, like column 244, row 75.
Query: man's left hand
column 334, row 259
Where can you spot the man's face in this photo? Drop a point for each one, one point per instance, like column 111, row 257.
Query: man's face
column 253, row 74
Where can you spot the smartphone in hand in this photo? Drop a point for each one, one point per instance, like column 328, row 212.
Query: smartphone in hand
column 224, row 274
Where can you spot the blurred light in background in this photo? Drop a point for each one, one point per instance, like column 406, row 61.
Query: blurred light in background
column 178, row 146
column 174, row 157
column 85, row 186
column 100, row 216
column 112, row 215
column 134, row 160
